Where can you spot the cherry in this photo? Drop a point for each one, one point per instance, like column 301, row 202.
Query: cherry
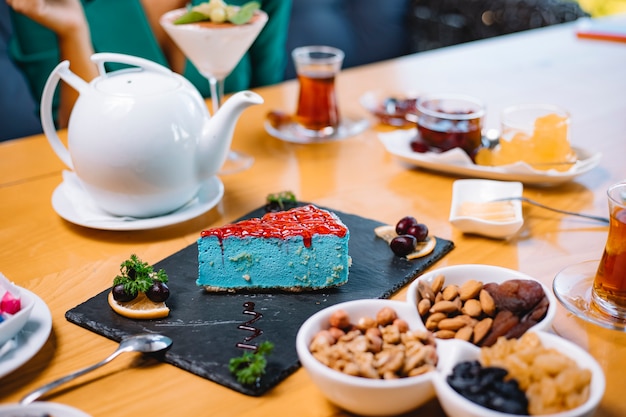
column 419, row 231
column 418, row 146
column 119, row 294
column 403, row 245
column 404, row 224
column 158, row 292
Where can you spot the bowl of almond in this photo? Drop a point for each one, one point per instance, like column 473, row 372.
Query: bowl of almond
column 480, row 303
column 370, row 357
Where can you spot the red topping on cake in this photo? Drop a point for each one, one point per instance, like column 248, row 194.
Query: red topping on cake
column 301, row 221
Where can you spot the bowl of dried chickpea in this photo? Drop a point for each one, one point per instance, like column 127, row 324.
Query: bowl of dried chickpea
column 370, row 357
column 537, row 374
column 480, row 303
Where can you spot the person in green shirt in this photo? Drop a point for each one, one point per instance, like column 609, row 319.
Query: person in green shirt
column 47, row 32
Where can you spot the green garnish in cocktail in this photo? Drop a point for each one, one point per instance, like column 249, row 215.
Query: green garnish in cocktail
column 217, row 11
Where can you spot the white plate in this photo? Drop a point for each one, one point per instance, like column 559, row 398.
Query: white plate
column 73, row 204
column 40, row 409
column 485, row 191
column 457, row 162
column 290, row 131
column 30, row 339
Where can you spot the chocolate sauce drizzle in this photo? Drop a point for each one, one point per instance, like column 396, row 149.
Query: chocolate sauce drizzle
column 249, row 309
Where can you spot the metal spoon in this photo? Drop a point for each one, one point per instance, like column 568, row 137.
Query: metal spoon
column 571, row 213
column 144, row 343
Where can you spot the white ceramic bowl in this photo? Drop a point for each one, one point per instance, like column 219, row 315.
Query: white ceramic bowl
column 482, row 193
column 455, row 405
column 12, row 325
column 40, row 409
column 363, row 396
column 458, row 274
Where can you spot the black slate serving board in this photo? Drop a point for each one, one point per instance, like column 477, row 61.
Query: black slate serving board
column 204, row 326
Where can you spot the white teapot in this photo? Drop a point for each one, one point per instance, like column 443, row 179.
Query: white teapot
column 141, row 139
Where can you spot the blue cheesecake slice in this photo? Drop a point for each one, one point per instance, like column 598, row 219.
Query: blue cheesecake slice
column 305, row 248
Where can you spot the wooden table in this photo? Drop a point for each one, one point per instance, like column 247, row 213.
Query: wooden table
column 65, row 264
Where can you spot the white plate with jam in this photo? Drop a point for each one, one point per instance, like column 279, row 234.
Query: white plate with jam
column 457, row 162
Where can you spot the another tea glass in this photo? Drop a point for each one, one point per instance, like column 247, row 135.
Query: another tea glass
column 609, row 285
column 593, row 290
column 447, row 121
column 317, row 66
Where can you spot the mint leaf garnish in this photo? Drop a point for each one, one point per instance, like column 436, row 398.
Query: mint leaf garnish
column 245, row 13
column 190, row 17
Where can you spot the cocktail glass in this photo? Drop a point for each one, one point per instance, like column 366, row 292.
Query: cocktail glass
column 215, row 49
column 596, row 290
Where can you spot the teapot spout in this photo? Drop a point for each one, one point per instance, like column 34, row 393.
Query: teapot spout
column 218, row 132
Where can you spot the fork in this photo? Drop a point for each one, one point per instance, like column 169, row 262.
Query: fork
column 571, row 213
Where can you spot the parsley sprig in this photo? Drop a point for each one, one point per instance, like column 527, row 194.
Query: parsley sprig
column 138, row 276
column 280, row 201
column 250, row 366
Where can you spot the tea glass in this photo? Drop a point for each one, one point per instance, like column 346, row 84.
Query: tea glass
column 447, row 121
column 317, row 66
column 609, row 286
column 596, row 290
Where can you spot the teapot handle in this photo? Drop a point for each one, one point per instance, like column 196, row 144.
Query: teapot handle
column 61, row 71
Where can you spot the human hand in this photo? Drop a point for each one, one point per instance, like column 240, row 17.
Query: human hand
column 63, row 17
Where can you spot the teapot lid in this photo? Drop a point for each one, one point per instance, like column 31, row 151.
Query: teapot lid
column 137, row 82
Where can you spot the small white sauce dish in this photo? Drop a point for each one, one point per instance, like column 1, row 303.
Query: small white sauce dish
column 13, row 325
column 474, row 208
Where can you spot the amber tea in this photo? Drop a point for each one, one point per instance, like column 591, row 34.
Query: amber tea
column 609, row 286
column 317, row 67
column 317, row 102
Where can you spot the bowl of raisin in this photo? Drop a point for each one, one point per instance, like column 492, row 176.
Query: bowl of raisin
column 538, row 373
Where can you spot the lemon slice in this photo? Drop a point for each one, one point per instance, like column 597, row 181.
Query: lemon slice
column 423, row 248
column 140, row 308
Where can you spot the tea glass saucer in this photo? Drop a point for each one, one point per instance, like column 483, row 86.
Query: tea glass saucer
column 572, row 287
column 289, row 130
column 72, row 203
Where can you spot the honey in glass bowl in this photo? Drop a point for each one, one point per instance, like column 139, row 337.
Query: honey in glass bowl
column 535, row 134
